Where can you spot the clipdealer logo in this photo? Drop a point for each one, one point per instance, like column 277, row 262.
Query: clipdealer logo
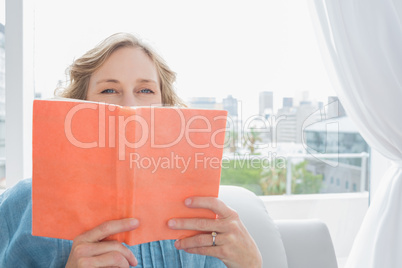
column 147, row 134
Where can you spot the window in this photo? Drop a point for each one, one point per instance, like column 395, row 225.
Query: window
column 270, row 41
column 261, row 63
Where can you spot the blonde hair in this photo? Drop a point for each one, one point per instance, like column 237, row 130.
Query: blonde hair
column 82, row 68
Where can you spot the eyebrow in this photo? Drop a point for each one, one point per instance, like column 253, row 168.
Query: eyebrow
column 108, row 81
column 117, row 81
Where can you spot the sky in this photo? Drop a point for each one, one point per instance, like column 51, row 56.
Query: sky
column 216, row 48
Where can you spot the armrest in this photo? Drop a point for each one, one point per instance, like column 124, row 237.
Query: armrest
column 259, row 224
column 307, row 244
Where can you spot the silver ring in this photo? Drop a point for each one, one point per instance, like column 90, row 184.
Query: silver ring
column 214, row 234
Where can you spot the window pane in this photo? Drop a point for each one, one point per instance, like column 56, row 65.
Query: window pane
column 260, row 61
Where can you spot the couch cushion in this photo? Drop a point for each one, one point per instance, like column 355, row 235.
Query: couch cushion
column 255, row 217
column 308, row 243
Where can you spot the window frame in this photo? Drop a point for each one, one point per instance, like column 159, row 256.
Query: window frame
column 19, row 30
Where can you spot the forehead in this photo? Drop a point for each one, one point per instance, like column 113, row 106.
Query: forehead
column 128, row 62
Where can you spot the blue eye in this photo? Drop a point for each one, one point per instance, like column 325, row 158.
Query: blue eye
column 109, row 91
column 146, row 90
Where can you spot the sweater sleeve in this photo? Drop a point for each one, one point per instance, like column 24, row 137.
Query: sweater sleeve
column 18, row 248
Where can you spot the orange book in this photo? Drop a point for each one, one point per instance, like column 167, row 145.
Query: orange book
column 94, row 162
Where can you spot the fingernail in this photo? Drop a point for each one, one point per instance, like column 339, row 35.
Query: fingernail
column 187, row 201
column 171, row 223
column 134, row 222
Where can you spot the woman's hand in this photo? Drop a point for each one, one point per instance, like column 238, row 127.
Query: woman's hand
column 233, row 244
column 89, row 250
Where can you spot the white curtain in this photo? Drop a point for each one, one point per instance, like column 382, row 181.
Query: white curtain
column 363, row 39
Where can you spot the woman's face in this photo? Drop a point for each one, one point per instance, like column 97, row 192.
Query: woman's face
column 127, row 78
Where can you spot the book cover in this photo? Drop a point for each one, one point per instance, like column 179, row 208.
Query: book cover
column 94, row 162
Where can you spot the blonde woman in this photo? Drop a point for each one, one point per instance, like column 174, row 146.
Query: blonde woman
column 122, row 70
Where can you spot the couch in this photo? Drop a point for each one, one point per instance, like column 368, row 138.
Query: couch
column 282, row 243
